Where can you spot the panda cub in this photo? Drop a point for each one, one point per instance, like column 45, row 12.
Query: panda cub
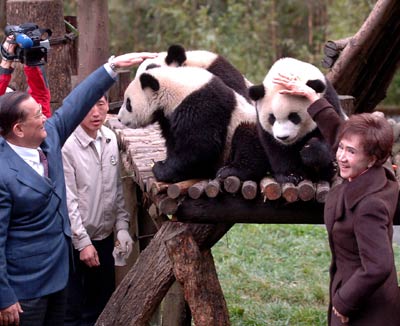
column 177, row 56
column 198, row 115
column 292, row 142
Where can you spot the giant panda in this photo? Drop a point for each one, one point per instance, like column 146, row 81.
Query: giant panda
column 198, row 115
column 177, row 56
column 292, row 142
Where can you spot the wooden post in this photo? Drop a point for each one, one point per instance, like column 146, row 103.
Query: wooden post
column 368, row 63
column 146, row 284
column 195, row 270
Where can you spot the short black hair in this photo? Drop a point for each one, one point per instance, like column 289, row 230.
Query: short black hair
column 10, row 111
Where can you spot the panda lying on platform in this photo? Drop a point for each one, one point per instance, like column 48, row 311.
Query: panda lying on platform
column 292, row 142
column 198, row 115
column 177, row 56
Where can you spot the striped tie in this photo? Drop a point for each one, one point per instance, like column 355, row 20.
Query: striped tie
column 43, row 160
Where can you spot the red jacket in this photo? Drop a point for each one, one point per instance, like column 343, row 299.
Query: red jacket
column 37, row 83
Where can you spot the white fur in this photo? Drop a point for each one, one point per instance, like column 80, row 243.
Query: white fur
column 175, row 85
column 281, row 105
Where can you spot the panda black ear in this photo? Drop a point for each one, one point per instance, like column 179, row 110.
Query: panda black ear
column 176, row 53
column 147, row 80
column 256, row 92
column 317, row 85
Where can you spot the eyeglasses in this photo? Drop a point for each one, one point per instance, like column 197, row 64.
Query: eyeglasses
column 38, row 115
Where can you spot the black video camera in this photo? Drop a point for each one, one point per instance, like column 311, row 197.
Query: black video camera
column 32, row 43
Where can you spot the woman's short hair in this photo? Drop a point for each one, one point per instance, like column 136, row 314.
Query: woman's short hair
column 10, row 111
column 375, row 132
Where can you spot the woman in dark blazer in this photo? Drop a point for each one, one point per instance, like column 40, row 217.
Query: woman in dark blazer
column 358, row 215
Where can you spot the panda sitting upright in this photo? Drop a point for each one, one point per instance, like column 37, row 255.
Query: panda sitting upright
column 198, row 115
column 292, row 142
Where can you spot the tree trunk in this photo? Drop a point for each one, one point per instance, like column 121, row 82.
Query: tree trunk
column 368, row 63
column 3, row 17
column 195, row 270
column 46, row 14
column 146, row 284
column 93, row 41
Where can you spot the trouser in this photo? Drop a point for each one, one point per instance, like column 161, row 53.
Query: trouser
column 48, row 310
column 90, row 288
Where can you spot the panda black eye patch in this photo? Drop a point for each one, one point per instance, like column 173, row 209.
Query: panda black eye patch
column 271, row 119
column 295, row 118
column 128, row 105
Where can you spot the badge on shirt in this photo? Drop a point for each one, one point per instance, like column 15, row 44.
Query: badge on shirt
column 113, row 160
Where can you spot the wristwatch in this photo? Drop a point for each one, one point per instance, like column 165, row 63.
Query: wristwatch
column 114, row 67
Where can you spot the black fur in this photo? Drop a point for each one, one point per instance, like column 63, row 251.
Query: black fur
column 219, row 67
column 247, row 158
column 195, row 133
column 147, row 80
column 256, row 92
column 310, row 158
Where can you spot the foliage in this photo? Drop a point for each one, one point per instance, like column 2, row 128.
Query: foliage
column 251, row 34
column 276, row 274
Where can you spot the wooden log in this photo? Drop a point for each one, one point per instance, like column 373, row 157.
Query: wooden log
column 333, row 48
column 323, row 188
column 232, row 184
column 290, row 192
column 236, row 209
column 165, row 204
column 180, row 188
column 145, row 285
column 196, row 190
column 306, row 190
column 249, row 189
column 213, row 188
column 195, row 270
column 158, row 187
column 363, row 70
column 328, row 62
column 270, row 188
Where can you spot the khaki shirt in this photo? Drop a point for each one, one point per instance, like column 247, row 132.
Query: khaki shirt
column 94, row 189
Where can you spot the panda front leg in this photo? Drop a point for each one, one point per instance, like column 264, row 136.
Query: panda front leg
column 317, row 156
column 169, row 170
column 247, row 158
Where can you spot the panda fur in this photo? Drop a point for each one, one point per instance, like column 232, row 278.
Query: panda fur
column 292, row 142
column 198, row 115
column 177, row 56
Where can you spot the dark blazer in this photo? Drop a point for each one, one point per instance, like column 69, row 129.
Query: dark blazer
column 359, row 220
column 34, row 224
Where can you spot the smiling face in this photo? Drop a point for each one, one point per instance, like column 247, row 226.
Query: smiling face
column 351, row 157
column 30, row 130
column 95, row 118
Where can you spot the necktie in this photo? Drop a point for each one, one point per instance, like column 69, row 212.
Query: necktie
column 43, row 160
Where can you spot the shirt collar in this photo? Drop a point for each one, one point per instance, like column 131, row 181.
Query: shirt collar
column 27, row 154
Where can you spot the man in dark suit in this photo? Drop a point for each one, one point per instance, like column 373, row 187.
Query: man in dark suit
column 35, row 235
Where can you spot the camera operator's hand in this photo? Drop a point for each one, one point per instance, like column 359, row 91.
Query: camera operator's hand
column 9, row 47
column 126, row 61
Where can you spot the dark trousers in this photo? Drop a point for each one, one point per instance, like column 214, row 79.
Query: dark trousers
column 48, row 310
column 90, row 288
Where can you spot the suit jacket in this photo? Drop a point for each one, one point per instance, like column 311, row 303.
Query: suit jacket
column 34, row 224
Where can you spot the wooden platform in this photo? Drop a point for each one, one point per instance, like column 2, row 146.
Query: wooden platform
column 207, row 201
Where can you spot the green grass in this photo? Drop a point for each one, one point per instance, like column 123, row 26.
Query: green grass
column 275, row 275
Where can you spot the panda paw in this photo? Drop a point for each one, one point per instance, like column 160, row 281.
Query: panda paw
column 161, row 172
column 315, row 153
